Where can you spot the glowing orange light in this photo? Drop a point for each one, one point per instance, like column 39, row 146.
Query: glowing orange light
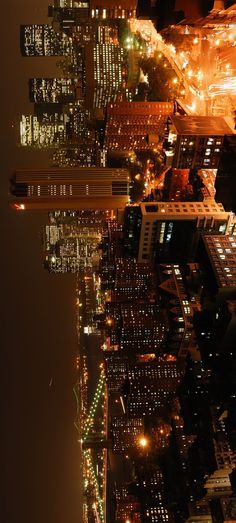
column 143, row 442
column 19, row 206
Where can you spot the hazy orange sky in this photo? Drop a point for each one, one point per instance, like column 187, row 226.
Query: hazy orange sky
column 40, row 452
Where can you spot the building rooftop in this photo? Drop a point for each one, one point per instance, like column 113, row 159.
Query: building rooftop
column 222, row 254
column 201, row 125
column 178, row 208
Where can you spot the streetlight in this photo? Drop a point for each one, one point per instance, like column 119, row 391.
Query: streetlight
column 143, row 442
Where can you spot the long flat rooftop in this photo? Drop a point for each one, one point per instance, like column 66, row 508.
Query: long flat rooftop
column 201, row 125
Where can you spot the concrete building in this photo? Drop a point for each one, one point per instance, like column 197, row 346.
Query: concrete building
column 170, row 231
column 70, row 189
column 218, row 484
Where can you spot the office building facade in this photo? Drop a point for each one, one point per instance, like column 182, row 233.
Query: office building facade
column 70, row 189
column 170, row 231
column 196, row 141
column 53, row 90
column 42, row 40
column 153, row 386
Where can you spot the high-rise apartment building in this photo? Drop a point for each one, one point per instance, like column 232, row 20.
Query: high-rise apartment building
column 134, row 125
column 143, row 328
column 224, row 454
column 199, row 508
column 152, row 493
column 218, row 484
column 127, row 505
column 65, row 15
column 180, row 308
column 224, row 509
column 152, row 386
column 90, row 219
column 95, row 31
column 220, row 256
column 169, row 231
column 116, row 370
column 195, row 141
column 70, row 189
column 131, row 281
column 105, row 73
column 126, row 433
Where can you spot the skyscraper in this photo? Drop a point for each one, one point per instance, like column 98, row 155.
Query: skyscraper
column 125, row 432
column 64, row 15
column 104, row 73
column 152, row 386
column 53, row 90
column 170, row 231
column 42, row 40
column 72, row 188
column 44, row 130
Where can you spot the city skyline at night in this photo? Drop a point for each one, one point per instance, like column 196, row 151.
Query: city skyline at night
column 119, row 254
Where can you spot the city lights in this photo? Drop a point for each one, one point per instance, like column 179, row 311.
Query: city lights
column 140, row 129
column 143, row 442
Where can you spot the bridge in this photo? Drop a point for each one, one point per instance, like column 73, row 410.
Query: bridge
column 92, row 435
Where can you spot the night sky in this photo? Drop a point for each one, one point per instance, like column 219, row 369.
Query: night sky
column 40, row 452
